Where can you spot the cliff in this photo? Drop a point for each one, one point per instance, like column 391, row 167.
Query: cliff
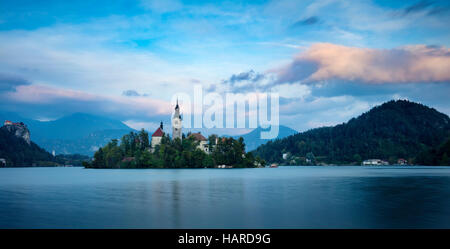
column 18, row 151
column 20, row 130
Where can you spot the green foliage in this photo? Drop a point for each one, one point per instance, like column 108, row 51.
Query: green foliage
column 71, row 159
column 396, row 129
column 134, row 152
column 435, row 156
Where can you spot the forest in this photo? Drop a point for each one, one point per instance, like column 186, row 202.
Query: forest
column 393, row 130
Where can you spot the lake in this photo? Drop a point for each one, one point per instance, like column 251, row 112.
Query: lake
column 284, row 197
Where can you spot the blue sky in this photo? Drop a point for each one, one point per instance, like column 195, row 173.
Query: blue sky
column 330, row 60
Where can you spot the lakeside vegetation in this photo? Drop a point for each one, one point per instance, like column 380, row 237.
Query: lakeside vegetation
column 393, row 130
column 439, row 156
column 133, row 151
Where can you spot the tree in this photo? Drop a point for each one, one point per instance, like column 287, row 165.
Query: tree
column 99, row 159
column 171, row 153
column 144, row 140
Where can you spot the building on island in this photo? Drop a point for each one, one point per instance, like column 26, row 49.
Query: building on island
column 157, row 136
column 176, row 123
column 176, row 133
column 402, row 161
column 2, row 162
column 7, row 122
column 203, row 142
column 176, row 129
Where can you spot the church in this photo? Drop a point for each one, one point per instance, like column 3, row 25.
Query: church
column 176, row 128
column 177, row 132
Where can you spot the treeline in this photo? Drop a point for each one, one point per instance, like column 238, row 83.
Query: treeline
column 396, row 129
column 133, row 151
column 70, row 159
column 436, row 156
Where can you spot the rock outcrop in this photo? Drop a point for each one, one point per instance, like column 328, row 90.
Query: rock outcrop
column 18, row 129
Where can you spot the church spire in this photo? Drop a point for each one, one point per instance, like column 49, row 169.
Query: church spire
column 176, row 123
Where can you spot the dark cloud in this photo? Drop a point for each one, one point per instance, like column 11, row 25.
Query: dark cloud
column 133, row 93
column 10, row 82
column 130, row 93
column 251, row 76
column 244, row 82
column 438, row 10
column 417, row 7
column 298, row 70
column 430, row 7
column 305, row 22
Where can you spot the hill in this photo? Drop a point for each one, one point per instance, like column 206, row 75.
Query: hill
column 74, row 126
column 253, row 138
column 19, row 152
column 85, row 145
column 395, row 129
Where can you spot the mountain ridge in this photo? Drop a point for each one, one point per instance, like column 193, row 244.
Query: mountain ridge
column 253, row 140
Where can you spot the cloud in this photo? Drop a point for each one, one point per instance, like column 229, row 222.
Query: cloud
column 10, row 82
column 47, row 101
column 243, row 82
column 409, row 64
column 133, row 93
column 245, row 76
column 162, row 6
column 417, row 7
column 307, row 21
column 130, row 93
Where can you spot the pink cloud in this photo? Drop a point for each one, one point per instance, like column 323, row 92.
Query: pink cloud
column 325, row 61
column 79, row 101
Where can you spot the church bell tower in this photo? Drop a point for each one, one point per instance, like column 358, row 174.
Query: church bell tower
column 176, row 123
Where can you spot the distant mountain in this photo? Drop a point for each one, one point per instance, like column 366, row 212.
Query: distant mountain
column 78, row 133
column 253, row 139
column 86, row 145
column 395, row 129
column 17, row 151
column 74, row 126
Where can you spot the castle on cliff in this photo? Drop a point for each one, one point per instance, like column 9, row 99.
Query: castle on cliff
column 18, row 129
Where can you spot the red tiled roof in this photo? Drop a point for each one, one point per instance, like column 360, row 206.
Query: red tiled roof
column 158, row 133
column 198, row 136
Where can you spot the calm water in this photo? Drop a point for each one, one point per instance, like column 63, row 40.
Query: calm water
column 285, row 197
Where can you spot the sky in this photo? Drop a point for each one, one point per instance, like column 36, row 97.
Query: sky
column 329, row 60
